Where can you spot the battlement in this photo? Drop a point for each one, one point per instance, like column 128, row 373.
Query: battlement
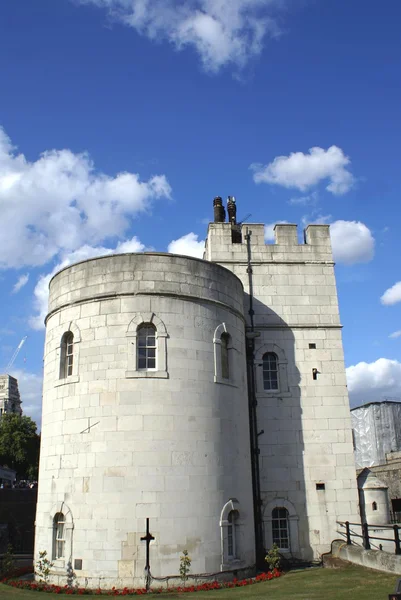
column 227, row 241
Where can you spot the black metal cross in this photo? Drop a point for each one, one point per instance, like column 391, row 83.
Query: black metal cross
column 147, row 538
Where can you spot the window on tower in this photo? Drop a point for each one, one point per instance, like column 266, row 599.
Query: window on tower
column 58, row 536
column 280, row 529
column 270, row 371
column 67, row 355
column 146, row 347
column 224, row 369
column 225, row 364
column 230, row 521
column 232, row 535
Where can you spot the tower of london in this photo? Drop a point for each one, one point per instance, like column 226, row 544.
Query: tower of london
column 206, row 395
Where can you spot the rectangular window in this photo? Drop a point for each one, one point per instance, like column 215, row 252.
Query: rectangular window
column 69, row 356
column 147, row 347
column 280, row 529
column 59, row 536
column 230, row 541
column 270, row 372
column 225, row 366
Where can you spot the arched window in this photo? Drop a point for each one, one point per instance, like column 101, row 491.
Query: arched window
column 374, row 505
column 223, row 350
column 232, row 534
column 270, row 371
column 280, row 528
column 230, row 522
column 67, row 355
column 58, row 536
column 146, row 348
column 225, row 364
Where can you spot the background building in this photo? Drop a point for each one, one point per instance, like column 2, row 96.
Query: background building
column 10, row 401
column 211, row 400
column 376, row 431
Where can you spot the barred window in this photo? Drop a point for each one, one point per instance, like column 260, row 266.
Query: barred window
column 58, row 536
column 67, row 355
column 270, row 371
column 280, row 528
column 146, row 349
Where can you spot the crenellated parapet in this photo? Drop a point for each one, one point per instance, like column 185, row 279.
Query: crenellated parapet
column 225, row 242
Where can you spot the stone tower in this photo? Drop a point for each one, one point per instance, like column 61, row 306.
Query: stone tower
column 206, row 395
column 10, row 401
column 302, row 458
column 145, row 415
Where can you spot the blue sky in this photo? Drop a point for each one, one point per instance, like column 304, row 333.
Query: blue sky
column 122, row 119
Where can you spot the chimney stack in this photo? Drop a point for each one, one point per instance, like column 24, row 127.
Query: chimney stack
column 232, row 210
column 219, row 210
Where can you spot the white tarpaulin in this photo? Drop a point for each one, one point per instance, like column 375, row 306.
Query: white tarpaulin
column 377, row 431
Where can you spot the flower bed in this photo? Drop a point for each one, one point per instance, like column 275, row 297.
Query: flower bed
column 202, row 587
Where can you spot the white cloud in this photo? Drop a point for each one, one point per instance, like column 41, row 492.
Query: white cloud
column 395, row 334
column 369, row 382
column 23, row 280
column 392, row 295
column 352, row 242
column 303, row 171
column 269, row 231
column 315, row 220
column 304, row 200
column 30, row 388
column 41, row 292
column 222, row 32
column 188, row 245
column 60, row 202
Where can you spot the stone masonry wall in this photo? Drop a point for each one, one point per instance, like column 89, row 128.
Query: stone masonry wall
column 307, row 432
column 119, row 446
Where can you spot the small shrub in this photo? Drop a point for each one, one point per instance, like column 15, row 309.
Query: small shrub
column 43, row 566
column 7, row 564
column 185, row 565
column 273, row 558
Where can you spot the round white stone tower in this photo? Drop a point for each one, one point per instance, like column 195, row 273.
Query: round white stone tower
column 145, row 414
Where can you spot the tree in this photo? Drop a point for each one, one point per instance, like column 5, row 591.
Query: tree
column 19, row 445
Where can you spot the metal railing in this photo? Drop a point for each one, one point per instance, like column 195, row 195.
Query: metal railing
column 365, row 536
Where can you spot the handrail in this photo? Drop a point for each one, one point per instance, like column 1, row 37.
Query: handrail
column 366, row 536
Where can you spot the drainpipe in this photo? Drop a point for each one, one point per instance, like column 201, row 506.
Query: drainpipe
column 253, row 425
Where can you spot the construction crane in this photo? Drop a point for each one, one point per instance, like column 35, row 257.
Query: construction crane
column 14, row 356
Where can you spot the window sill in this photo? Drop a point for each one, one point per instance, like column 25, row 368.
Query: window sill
column 70, row 379
column 58, row 566
column 146, row 374
column 224, row 381
column 276, row 394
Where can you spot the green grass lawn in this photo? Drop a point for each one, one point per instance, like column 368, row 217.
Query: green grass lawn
column 348, row 583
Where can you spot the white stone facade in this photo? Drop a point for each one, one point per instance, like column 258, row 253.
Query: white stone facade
column 120, row 444
column 306, row 456
column 10, row 401
column 171, row 441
